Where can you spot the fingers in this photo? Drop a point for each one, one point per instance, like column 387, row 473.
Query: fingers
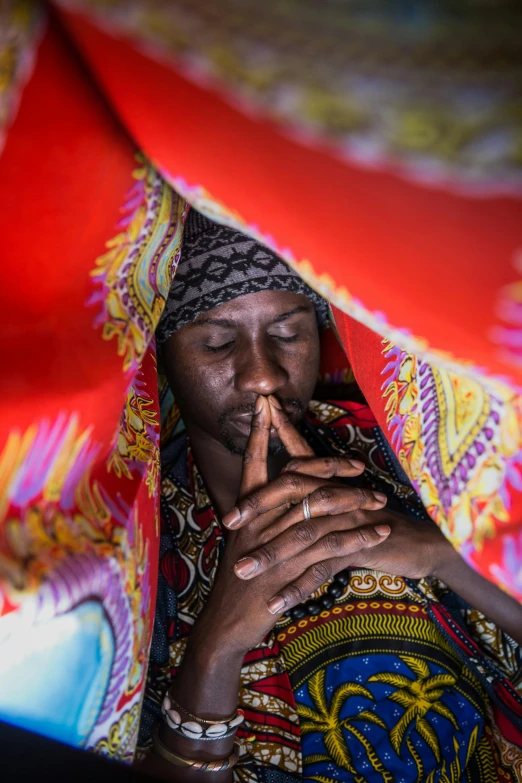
column 331, row 499
column 326, row 467
column 291, row 488
column 255, row 471
column 284, row 490
column 293, row 442
column 319, row 571
column 313, row 540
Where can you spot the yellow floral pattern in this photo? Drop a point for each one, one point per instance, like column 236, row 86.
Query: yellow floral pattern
column 135, row 274
column 458, row 442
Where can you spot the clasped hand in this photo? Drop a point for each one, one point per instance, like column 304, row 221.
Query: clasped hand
column 280, row 556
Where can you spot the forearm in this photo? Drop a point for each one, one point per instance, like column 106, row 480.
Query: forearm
column 207, row 686
column 207, row 683
column 480, row 593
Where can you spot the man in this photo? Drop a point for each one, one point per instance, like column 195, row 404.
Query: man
column 283, row 521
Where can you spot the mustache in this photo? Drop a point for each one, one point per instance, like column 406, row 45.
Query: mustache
column 290, row 405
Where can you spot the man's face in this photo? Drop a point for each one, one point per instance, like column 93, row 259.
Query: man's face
column 263, row 343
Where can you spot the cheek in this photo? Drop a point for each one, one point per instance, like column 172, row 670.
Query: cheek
column 211, row 389
column 305, row 369
column 199, row 389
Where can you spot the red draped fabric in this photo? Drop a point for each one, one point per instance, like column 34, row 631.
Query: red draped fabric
column 107, row 135
column 90, row 236
column 433, row 262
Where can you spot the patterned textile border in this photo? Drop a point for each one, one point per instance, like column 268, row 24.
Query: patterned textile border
column 79, row 532
column 135, row 273
column 461, row 446
column 75, row 568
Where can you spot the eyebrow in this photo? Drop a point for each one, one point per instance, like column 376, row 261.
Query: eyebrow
column 227, row 323
column 290, row 313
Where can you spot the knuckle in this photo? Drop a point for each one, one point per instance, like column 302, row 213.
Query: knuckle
column 262, row 537
column 333, row 542
column 252, row 502
column 332, row 464
column 324, row 495
column 305, row 532
column 291, row 482
column 293, row 595
column 360, row 496
column 266, row 555
column 320, row 573
column 361, row 537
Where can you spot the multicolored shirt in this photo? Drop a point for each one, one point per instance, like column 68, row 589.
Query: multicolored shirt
column 399, row 681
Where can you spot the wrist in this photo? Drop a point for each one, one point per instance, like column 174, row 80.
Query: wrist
column 207, row 682
column 211, row 649
column 446, row 559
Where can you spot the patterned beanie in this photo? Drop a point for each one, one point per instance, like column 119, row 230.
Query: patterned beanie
column 219, row 264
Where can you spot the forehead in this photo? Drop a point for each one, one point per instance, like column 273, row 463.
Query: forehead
column 263, row 307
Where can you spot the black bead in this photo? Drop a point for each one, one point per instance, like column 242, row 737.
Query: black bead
column 298, row 612
column 313, row 607
column 343, row 578
column 327, row 601
column 335, row 589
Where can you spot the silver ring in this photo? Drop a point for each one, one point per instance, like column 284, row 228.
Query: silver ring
column 306, row 507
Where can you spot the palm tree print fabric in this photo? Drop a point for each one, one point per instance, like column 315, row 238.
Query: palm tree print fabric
column 397, row 718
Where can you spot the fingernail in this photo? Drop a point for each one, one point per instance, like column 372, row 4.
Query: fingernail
column 380, row 497
column 357, row 465
column 245, row 566
column 258, row 407
column 383, row 530
column 276, row 604
column 275, row 402
column 233, row 518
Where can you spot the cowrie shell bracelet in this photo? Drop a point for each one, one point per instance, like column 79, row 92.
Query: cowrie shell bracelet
column 198, row 728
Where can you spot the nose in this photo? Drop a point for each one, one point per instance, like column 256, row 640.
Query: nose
column 258, row 372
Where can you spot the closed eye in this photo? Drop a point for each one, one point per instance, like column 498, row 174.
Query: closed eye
column 217, row 348
column 286, row 339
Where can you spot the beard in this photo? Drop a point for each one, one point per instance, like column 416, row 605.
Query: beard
column 237, row 444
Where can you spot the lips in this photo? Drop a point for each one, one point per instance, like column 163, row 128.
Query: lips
column 243, row 422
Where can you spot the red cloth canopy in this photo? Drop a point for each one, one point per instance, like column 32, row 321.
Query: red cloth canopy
column 398, row 198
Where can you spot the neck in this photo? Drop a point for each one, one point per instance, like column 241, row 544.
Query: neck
column 221, row 470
